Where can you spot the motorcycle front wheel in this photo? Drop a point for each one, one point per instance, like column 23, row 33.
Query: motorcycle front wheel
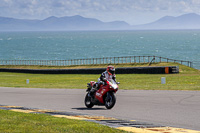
column 88, row 102
column 110, row 100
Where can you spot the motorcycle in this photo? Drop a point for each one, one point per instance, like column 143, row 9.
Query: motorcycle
column 105, row 95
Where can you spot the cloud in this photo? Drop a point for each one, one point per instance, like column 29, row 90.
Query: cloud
column 100, row 9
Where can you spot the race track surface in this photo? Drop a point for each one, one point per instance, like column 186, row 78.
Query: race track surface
column 179, row 109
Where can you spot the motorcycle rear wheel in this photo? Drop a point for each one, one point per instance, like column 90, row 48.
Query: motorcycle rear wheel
column 110, row 100
column 88, row 102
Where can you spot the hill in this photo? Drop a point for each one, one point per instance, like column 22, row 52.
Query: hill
column 186, row 21
column 77, row 22
column 62, row 24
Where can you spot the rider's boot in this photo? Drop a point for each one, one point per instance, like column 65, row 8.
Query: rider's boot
column 92, row 91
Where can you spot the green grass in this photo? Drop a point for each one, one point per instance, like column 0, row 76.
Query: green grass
column 32, row 123
column 187, row 79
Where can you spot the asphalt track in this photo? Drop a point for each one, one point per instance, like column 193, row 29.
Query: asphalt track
column 179, row 109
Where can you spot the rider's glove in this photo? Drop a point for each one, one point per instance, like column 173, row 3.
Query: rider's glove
column 104, row 79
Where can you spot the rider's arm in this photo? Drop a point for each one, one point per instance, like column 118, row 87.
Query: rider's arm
column 103, row 77
column 114, row 77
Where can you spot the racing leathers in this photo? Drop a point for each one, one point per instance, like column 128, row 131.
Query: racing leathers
column 102, row 80
column 105, row 76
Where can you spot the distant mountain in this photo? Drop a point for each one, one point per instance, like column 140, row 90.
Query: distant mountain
column 186, row 21
column 68, row 23
column 63, row 23
column 11, row 24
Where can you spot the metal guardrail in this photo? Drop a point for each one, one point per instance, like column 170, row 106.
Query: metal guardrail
column 93, row 61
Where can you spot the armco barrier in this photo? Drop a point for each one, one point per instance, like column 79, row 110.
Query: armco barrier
column 124, row 70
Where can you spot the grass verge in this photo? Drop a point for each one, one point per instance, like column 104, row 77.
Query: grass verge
column 187, row 79
column 28, row 123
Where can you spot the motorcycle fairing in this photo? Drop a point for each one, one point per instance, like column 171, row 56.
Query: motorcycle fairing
column 100, row 93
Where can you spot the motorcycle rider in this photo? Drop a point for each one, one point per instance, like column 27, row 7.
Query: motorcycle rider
column 107, row 75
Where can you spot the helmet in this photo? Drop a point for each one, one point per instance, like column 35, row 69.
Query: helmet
column 110, row 70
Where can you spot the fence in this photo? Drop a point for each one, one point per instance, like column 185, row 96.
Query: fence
column 93, row 61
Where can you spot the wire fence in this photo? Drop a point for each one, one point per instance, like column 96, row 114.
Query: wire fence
column 93, row 61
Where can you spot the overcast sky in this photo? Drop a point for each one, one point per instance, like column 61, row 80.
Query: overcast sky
column 131, row 11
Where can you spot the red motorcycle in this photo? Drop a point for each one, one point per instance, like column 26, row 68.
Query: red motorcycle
column 105, row 95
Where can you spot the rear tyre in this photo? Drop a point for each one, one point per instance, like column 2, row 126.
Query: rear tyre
column 88, row 101
column 110, row 100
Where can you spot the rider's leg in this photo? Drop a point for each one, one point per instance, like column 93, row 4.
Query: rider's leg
column 94, row 88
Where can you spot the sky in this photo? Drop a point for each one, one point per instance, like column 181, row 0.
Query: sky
column 131, row 11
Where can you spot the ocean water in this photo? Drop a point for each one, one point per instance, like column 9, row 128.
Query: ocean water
column 176, row 44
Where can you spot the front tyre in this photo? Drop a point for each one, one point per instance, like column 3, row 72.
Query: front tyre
column 110, row 100
column 88, row 102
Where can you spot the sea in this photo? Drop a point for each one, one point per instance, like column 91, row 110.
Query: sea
column 65, row 45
